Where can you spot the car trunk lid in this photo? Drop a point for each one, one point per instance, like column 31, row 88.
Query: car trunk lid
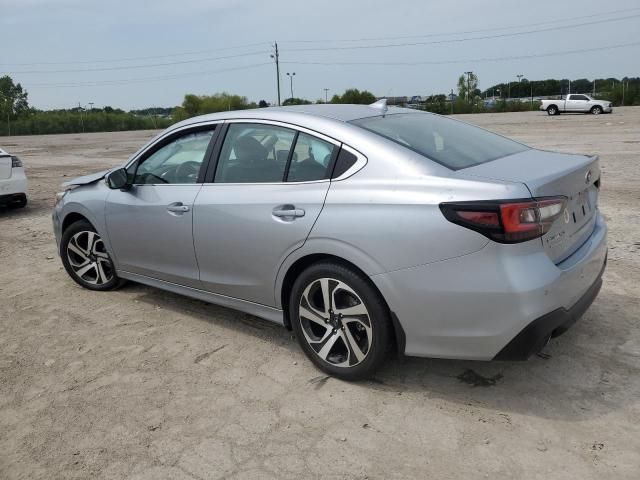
column 5, row 167
column 548, row 174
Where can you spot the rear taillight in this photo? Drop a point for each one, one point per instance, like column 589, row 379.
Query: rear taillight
column 15, row 162
column 506, row 221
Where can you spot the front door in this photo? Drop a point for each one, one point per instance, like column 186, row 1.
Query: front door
column 150, row 225
column 269, row 188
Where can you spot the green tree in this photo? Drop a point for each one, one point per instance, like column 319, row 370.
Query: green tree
column 13, row 99
column 353, row 95
column 295, row 101
column 467, row 87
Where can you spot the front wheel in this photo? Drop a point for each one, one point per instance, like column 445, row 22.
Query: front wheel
column 340, row 320
column 85, row 258
column 596, row 110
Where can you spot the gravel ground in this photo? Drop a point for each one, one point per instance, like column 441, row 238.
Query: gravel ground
column 140, row 383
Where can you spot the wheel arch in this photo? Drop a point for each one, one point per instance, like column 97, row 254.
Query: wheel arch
column 303, row 262
column 71, row 218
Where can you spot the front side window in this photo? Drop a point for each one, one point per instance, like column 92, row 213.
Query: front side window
column 578, row 97
column 179, row 161
column 446, row 141
column 311, row 159
column 254, row 153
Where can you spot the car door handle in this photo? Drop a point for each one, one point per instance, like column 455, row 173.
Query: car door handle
column 177, row 207
column 288, row 211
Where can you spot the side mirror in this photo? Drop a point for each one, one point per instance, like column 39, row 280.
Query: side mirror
column 117, row 179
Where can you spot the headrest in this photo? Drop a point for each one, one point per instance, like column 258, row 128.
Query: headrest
column 248, row 150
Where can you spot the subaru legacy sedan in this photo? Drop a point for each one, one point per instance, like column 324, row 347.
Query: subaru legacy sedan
column 364, row 229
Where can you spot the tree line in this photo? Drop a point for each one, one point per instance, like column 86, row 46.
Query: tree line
column 17, row 117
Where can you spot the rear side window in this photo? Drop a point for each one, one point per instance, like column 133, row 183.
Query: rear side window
column 344, row 162
column 451, row 143
column 578, row 97
column 311, row 159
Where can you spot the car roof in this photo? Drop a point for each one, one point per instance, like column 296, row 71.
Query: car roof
column 339, row 112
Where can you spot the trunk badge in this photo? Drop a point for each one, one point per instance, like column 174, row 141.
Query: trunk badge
column 587, row 177
column 566, row 216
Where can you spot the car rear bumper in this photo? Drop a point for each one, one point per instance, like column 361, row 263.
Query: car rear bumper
column 17, row 184
column 473, row 306
column 536, row 335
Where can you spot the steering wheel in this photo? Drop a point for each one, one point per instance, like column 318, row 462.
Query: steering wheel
column 187, row 171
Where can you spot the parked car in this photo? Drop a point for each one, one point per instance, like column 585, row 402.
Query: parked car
column 576, row 103
column 359, row 227
column 13, row 181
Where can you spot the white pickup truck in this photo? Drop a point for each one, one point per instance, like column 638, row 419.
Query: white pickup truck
column 577, row 103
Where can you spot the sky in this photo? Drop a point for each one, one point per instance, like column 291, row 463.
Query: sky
column 137, row 54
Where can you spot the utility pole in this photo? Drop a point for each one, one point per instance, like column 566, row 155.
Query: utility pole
column 291, row 75
column 519, row 79
column 81, row 120
column 468, row 83
column 276, row 57
column 569, row 87
column 451, row 101
column 531, row 108
column 326, row 95
column 594, row 88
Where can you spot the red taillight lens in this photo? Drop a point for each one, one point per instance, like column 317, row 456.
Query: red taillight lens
column 506, row 221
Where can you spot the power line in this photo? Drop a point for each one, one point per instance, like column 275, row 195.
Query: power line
column 198, row 52
column 128, row 59
column 144, row 79
column 464, row 32
column 131, row 67
column 474, row 60
column 458, row 40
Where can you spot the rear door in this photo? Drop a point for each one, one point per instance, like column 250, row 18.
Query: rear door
column 150, row 226
column 258, row 205
column 577, row 103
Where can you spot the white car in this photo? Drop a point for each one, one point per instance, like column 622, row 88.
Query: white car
column 13, row 181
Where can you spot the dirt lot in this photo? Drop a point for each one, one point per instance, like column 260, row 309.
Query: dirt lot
column 140, row 383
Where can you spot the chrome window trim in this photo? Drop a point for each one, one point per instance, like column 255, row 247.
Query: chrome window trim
column 141, row 153
column 361, row 161
column 290, row 126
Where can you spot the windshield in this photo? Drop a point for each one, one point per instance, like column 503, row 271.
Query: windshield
column 449, row 142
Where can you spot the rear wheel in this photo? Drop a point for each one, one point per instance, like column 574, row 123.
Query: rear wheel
column 18, row 201
column 552, row 110
column 596, row 110
column 340, row 320
column 85, row 258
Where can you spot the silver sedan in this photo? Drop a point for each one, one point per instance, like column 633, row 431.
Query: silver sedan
column 364, row 229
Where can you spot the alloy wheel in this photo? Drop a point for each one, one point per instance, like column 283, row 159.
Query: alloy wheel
column 88, row 258
column 335, row 322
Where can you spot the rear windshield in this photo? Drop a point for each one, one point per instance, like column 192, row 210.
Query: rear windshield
column 449, row 142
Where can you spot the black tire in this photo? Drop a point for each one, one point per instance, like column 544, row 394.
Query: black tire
column 354, row 291
column 19, row 201
column 105, row 277
column 596, row 110
column 553, row 110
